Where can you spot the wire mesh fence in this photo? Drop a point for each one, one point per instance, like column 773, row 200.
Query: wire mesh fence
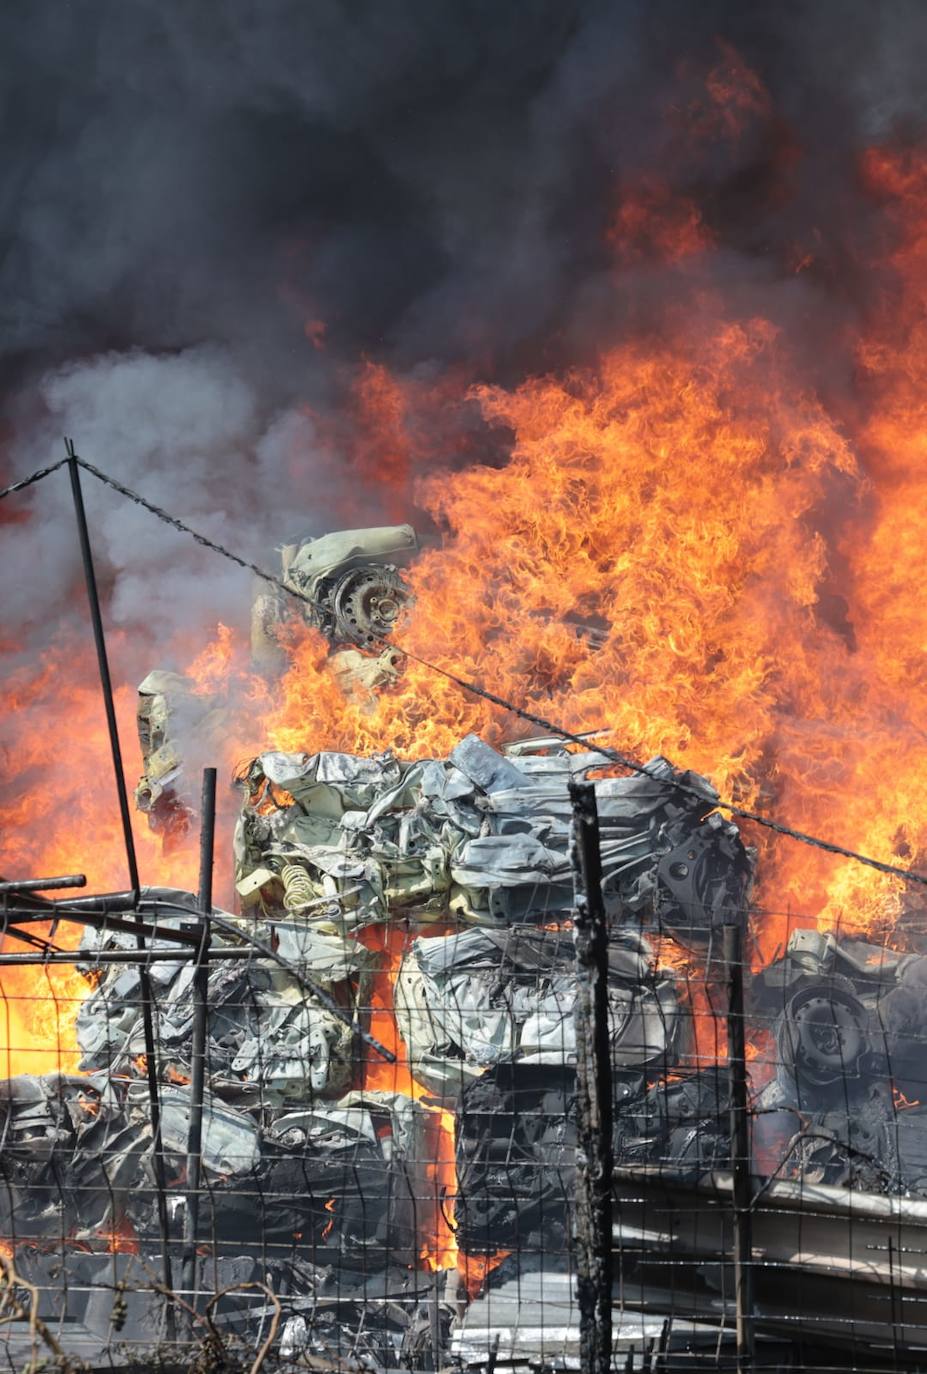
column 435, row 1139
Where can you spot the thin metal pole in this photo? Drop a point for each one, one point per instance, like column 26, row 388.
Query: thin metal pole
column 109, row 924
column 106, row 683
column 103, row 663
column 84, row 958
column 741, row 1163
column 198, row 1050
column 435, row 1322
column 44, row 884
column 594, row 1089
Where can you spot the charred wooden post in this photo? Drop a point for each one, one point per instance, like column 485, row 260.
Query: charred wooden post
column 198, row 1048
column 106, row 684
column 741, row 1162
column 593, row 1222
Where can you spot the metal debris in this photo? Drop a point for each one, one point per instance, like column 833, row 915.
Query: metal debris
column 268, row 1040
column 483, row 997
column 354, row 591
column 321, row 1190
column 170, row 713
column 334, row 1180
column 480, row 836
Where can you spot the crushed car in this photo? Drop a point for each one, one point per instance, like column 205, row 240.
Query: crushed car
column 482, row 837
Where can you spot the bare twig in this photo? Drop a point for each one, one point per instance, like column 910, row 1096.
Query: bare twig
column 269, row 1293
column 37, row 1328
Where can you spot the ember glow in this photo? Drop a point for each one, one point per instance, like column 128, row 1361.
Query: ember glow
column 688, row 550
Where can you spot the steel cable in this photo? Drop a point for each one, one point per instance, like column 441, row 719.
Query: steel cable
column 34, row 477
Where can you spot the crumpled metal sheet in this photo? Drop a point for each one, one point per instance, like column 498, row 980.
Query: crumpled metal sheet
column 483, row 997
column 844, row 1105
column 516, row 1147
column 174, row 719
column 482, row 836
column 333, row 1180
column 345, row 1178
column 515, row 1130
column 268, row 1039
column 56, row 1178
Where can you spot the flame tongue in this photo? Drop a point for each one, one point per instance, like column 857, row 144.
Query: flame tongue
column 439, row 1250
column 670, row 583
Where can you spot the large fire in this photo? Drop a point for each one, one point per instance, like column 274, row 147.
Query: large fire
column 687, row 549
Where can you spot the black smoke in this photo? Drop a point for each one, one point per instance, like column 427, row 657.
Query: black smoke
column 431, row 180
column 212, row 214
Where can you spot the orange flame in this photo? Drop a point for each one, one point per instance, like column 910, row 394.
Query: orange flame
column 902, row 1103
column 440, row 1248
column 211, row 668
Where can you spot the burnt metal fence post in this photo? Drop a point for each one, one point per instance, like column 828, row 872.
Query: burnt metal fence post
column 741, row 1162
column 198, row 1049
column 106, row 684
column 594, row 1089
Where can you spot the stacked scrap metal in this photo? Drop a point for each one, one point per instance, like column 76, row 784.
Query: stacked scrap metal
column 300, row 1173
column 468, row 1002
column 844, row 1105
column 479, row 836
column 336, row 1182
column 267, row 1040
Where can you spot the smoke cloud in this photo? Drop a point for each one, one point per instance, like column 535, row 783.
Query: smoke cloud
column 214, row 215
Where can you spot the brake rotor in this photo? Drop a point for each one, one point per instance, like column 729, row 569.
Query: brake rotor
column 822, row 1036
column 366, row 603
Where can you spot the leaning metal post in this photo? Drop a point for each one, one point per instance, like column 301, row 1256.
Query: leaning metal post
column 594, row 1089
column 106, row 683
column 198, row 1049
column 733, row 949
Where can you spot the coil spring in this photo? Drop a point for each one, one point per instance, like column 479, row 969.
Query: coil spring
column 297, row 887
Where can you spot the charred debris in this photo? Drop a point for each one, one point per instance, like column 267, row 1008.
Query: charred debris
column 324, row 1198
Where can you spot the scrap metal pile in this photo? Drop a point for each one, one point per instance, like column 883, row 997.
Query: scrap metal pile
column 329, row 1191
column 479, row 837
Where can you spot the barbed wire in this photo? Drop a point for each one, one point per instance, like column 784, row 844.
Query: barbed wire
column 613, row 756
column 34, row 477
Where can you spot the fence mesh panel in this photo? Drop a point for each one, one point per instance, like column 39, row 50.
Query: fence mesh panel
column 390, row 1137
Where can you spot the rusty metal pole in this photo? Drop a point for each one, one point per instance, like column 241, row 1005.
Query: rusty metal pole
column 198, row 1050
column 741, row 1161
column 106, row 683
column 593, row 1225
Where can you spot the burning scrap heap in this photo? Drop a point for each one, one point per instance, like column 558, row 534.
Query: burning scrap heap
column 677, row 480
column 480, row 836
column 302, row 1163
column 439, row 891
column 347, row 585
column 317, row 1176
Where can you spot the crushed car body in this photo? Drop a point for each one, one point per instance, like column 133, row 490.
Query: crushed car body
column 480, row 836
